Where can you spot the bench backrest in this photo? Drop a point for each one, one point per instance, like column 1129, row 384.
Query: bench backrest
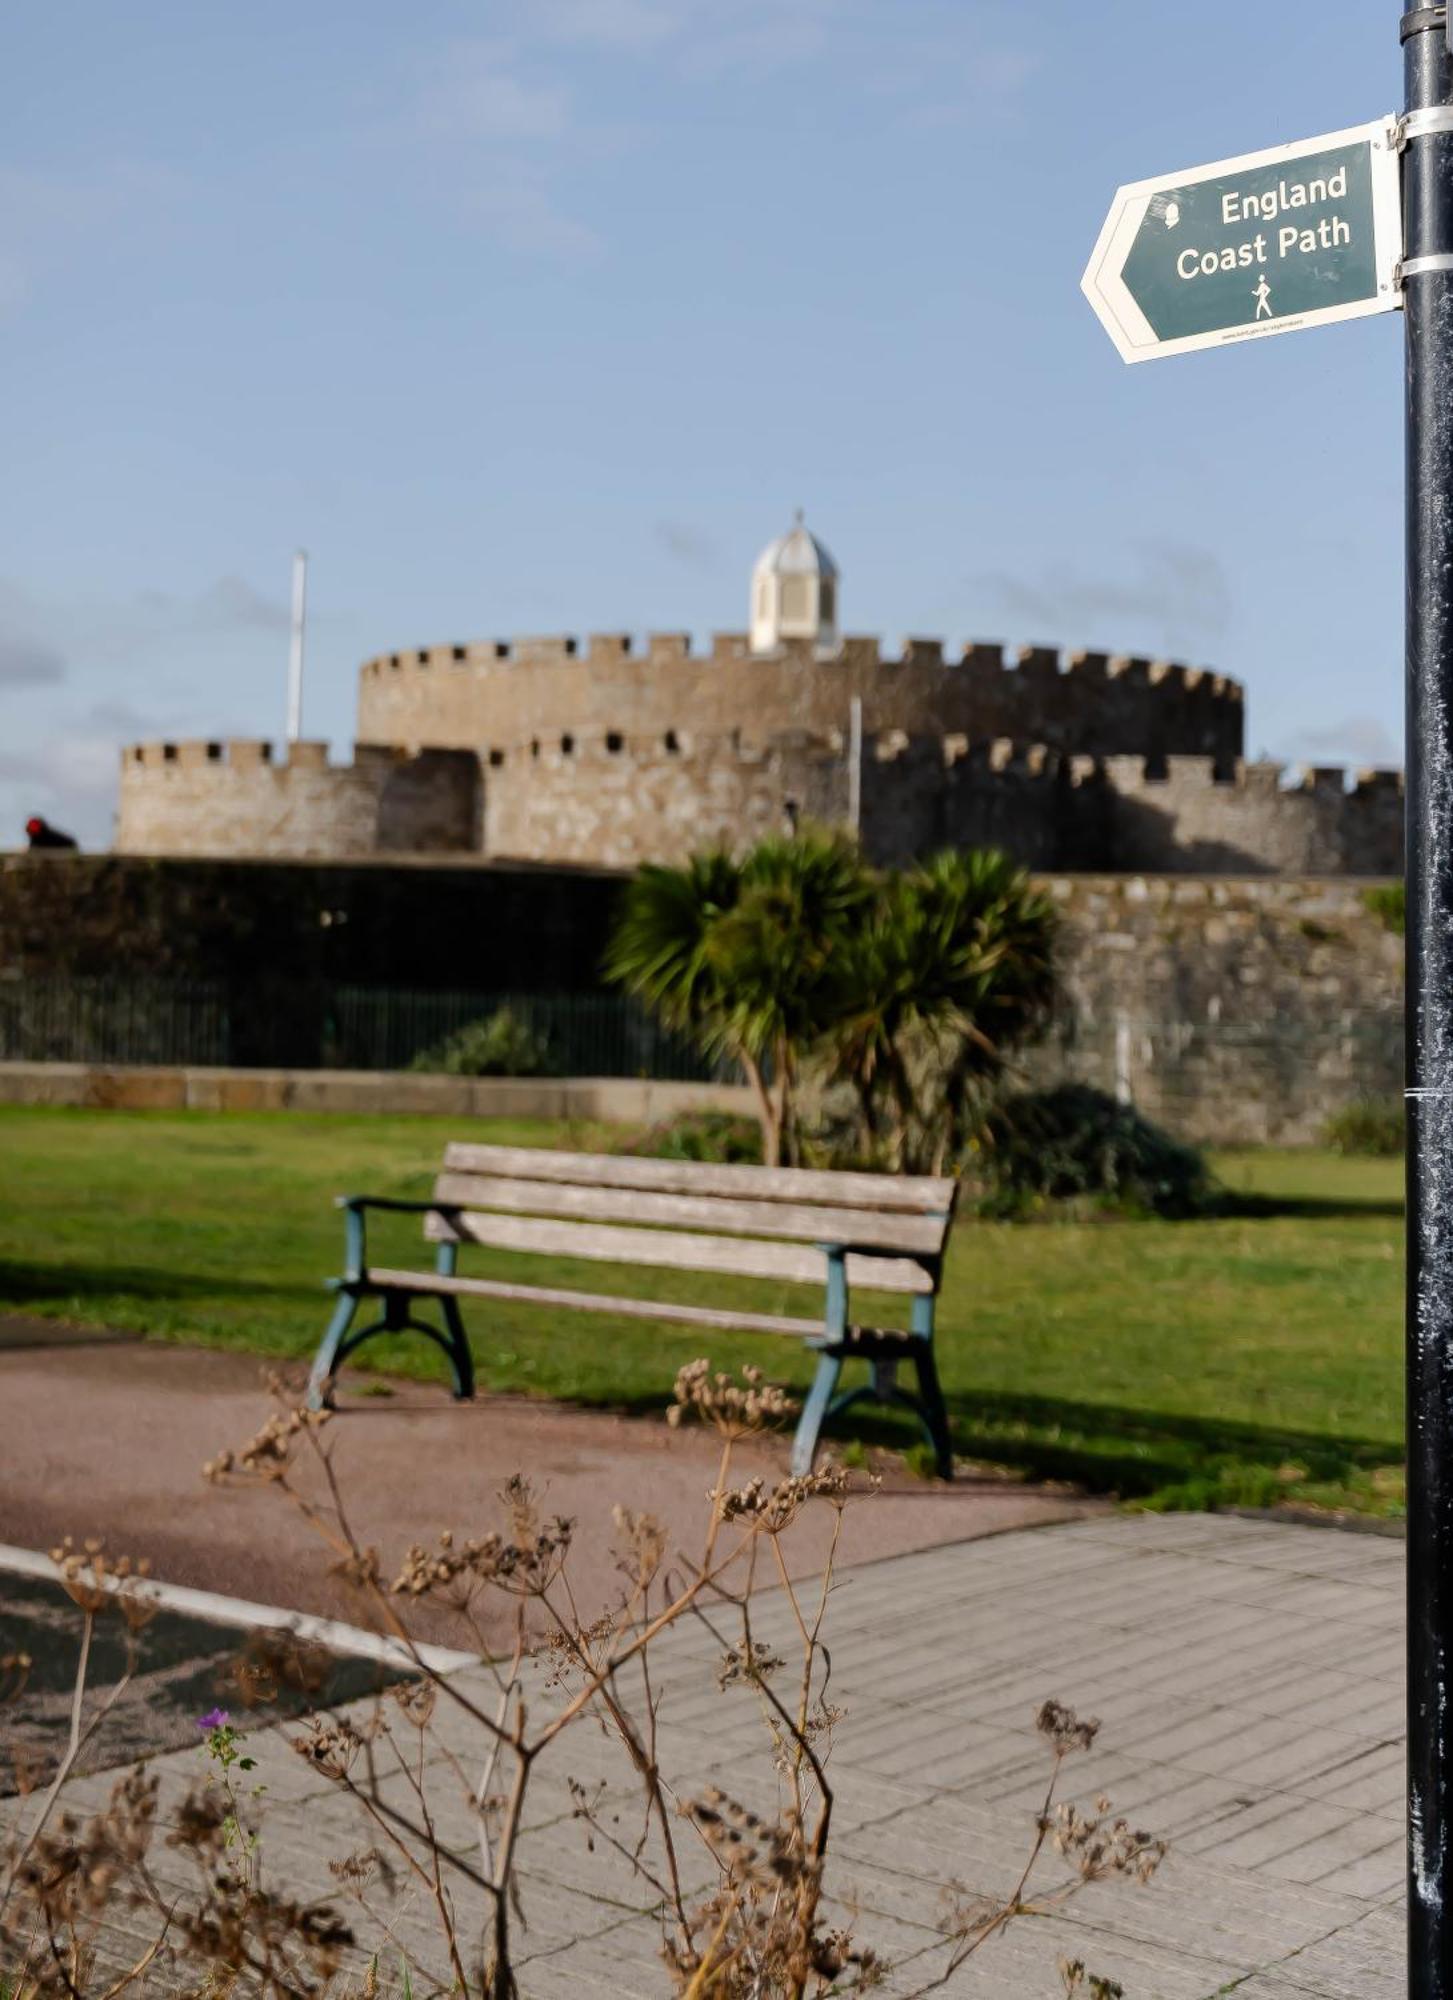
column 760, row 1222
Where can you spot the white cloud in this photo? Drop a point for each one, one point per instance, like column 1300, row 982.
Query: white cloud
column 471, row 91
column 1180, row 597
column 68, row 779
column 48, row 219
column 1355, row 739
column 61, row 755
column 28, row 662
column 621, row 24
column 230, row 604
column 703, row 34
column 501, row 134
column 687, row 544
column 523, row 216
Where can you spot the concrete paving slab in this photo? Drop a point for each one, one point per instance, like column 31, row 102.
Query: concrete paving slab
column 1284, row 1881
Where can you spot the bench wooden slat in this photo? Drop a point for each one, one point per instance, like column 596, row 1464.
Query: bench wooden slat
column 602, row 1302
column 601, row 1243
column 886, row 1192
column 738, row 1218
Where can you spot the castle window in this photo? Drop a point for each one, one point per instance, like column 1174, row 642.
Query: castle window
column 570, row 649
column 614, row 742
column 169, row 752
column 423, row 656
column 672, row 741
column 535, row 746
column 496, row 758
column 138, row 755
column 459, row 653
column 214, row 751
column 394, row 660
column 567, row 746
column 501, row 649
column 826, row 608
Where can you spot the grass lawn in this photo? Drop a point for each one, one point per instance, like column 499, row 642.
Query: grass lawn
column 1244, row 1359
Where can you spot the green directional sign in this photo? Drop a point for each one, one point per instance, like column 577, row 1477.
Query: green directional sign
column 1267, row 243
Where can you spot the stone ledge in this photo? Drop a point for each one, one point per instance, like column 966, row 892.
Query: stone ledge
column 123, row 1087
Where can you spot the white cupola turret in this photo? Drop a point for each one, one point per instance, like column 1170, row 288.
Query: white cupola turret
column 794, row 592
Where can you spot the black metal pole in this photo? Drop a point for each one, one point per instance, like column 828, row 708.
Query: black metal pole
column 1428, row 306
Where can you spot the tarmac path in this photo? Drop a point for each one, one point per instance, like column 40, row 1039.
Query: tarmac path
column 107, row 1438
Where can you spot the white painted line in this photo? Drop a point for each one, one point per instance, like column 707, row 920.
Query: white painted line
column 214, row 1609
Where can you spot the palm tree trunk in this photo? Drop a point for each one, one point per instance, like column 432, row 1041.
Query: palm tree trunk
column 766, row 1111
column 900, row 1097
column 786, row 1118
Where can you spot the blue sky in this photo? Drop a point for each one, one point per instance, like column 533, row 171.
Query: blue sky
column 545, row 316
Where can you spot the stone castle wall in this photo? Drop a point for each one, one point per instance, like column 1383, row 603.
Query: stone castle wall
column 503, row 695
column 1231, row 1009
column 611, row 800
column 1180, row 818
column 234, row 798
column 614, row 800
column 537, row 750
column 1234, row 1012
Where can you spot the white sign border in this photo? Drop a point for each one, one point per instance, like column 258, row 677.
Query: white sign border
column 1131, row 331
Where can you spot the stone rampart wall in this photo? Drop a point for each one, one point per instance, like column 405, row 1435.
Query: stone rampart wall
column 1235, row 1012
column 234, row 798
column 612, row 799
column 1234, row 1009
column 506, row 694
column 1178, row 817
column 616, row 799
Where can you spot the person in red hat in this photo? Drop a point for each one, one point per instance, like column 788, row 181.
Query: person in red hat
column 42, row 834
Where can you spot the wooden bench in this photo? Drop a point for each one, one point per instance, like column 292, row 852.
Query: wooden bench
column 881, row 1232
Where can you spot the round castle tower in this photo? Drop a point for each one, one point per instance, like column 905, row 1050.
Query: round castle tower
column 610, row 752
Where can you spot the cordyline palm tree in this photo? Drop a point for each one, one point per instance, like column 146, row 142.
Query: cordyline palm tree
column 954, row 971
column 748, row 957
column 915, row 985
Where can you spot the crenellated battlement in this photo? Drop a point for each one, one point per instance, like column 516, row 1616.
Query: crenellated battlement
column 616, row 747
column 248, row 796
column 617, row 791
column 618, row 795
column 608, row 649
column 492, row 696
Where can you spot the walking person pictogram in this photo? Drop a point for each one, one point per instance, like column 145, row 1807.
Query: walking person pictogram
column 1263, row 300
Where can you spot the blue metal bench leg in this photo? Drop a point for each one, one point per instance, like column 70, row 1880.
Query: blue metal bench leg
column 325, row 1365
column 930, row 1395
column 932, row 1407
column 814, row 1410
column 460, row 1358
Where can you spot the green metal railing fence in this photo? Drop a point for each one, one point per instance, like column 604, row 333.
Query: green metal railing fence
column 1277, row 1079
column 583, row 1034
column 114, row 1021
column 274, row 1024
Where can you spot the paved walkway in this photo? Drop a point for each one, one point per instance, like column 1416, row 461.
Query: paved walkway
column 1248, row 1677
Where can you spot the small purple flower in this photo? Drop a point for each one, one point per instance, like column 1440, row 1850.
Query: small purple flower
column 217, row 1719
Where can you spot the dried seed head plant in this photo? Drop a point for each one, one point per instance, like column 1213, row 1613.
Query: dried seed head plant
column 440, row 1766
column 1097, row 1848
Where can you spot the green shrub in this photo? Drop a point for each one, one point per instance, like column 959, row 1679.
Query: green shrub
column 715, row 1136
column 1391, row 904
column 1075, row 1144
column 1370, row 1127
column 499, row 1044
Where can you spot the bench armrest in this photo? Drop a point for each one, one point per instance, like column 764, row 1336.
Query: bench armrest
column 356, row 1203
column 355, row 1223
